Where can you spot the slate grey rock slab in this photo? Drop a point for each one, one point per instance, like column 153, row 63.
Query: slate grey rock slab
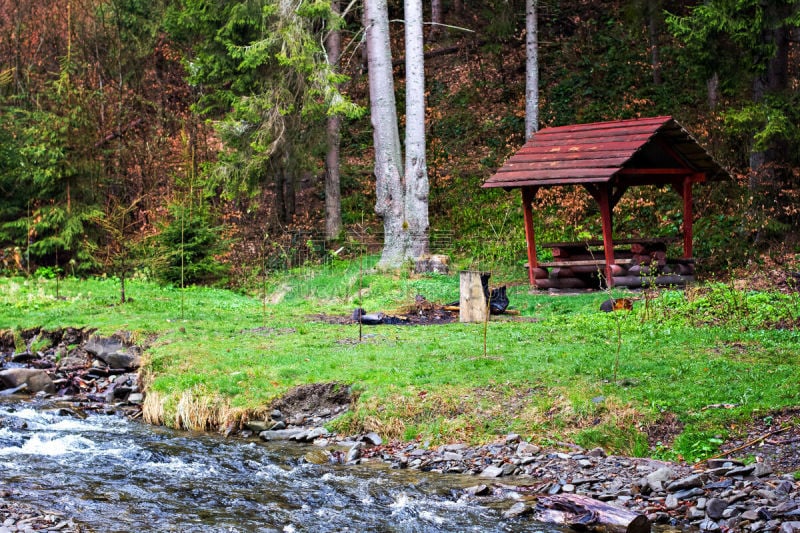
column 36, row 380
column 688, row 482
column 715, row 507
column 373, row 438
column 518, row 509
column 478, row 490
column 281, row 434
column 256, row 425
column 492, row 471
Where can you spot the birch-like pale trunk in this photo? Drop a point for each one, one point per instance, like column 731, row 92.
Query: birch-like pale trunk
column 333, row 194
column 416, row 175
column 531, row 69
column 388, row 160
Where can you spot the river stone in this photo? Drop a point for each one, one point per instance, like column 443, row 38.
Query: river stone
column 689, row 493
column 113, row 352
column 126, row 360
column 790, row 527
column 762, row 469
column 14, row 390
column 316, row 433
column 317, row 457
column 300, row 436
column 526, row 448
column 694, row 513
column 354, row 452
column 688, row 482
column 655, row 480
column 509, row 469
column 518, row 509
column 75, row 360
column 452, row 456
column 741, row 470
column 596, row 452
column 477, row 490
column 256, row 425
column 715, row 507
column 785, row 487
column 280, row 424
column 35, row 380
column 671, row 502
column 750, row 514
column 373, row 438
column 709, row 525
column 719, row 463
column 281, row 434
column 492, row 471
column 136, row 398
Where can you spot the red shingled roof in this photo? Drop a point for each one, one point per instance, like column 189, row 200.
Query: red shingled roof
column 637, row 151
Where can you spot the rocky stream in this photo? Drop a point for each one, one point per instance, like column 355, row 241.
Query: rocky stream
column 74, row 458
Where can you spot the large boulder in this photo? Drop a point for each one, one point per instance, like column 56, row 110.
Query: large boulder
column 36, row 380
column 113, row 352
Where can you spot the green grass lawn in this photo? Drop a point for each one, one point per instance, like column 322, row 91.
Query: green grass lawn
column 217, row 356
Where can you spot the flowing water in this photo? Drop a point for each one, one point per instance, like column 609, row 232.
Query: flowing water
column 115, row 475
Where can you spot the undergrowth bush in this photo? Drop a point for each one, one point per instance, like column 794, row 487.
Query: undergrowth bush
column 190, row 245
column 721, row 304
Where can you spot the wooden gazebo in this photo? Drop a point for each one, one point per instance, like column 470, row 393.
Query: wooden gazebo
column 607, row 158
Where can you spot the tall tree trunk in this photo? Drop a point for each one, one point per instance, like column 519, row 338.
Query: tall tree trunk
column 291, row 196
column 712, row 86
column 333, row 194
column 532, row 69
column 654, row 27
column 416, row 175
column 280, row 196
column 388, row 162
column 437, row 18
column 774, row 79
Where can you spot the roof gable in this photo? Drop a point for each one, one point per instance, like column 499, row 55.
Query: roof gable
column 599, row 152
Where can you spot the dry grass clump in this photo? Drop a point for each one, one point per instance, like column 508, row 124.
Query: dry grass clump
column 191, row 410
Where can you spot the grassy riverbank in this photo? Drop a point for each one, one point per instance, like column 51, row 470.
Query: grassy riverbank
column 690, row 367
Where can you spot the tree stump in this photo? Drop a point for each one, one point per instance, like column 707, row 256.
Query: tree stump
column 473, row 306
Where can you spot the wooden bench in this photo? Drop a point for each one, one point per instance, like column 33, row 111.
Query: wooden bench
column 585, row 244
column 637, row 263
column 583, row 262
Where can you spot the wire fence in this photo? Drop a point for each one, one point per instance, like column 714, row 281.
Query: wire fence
column 312, row 249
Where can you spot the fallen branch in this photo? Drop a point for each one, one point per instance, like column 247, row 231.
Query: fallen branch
column 401, row 62
column 749, row 443
column 582, row 512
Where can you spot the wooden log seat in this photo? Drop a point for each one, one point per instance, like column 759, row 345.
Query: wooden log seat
column 562, row 283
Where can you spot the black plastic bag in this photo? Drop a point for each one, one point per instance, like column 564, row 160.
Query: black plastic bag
column 498, row 301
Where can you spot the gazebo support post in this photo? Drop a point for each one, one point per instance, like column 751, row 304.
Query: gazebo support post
column 687, row 217
column 605, row 217
column 602, row 195
column 528, row 194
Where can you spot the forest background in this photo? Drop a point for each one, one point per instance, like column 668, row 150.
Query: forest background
column 186, row 141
